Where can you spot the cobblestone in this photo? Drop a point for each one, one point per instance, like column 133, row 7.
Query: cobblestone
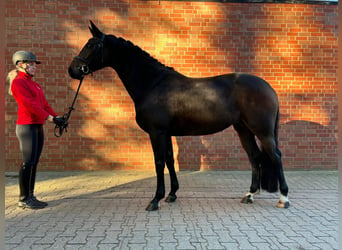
column 106, row 210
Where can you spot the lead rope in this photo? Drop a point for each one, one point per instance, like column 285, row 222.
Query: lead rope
column 59, row 129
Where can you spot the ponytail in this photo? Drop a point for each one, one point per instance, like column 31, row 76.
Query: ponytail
column 9, row 79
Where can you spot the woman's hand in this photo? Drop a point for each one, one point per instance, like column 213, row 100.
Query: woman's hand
column 58, row 120
column 50, row 118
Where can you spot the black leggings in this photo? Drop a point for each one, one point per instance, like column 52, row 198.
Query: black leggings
column 31, row 139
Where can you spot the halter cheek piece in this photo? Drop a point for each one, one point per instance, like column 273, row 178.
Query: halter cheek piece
column 85, row 67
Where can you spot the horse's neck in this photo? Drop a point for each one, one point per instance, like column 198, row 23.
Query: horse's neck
column 138, row 77
column 130, row 80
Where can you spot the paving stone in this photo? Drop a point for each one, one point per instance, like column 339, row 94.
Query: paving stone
column 106, row 210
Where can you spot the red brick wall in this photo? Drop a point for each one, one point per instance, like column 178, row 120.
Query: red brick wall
column 292, row 46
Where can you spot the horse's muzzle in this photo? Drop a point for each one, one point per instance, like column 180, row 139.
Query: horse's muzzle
column 75, row 73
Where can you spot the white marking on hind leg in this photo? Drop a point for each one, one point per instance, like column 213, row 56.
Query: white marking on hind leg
column 249, row 197
column 284, row 202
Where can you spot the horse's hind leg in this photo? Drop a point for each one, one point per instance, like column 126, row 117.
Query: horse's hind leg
column 274, row 171
column 248, row 142
column 171, row 167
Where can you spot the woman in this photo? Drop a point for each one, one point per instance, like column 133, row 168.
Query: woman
column 33, row 110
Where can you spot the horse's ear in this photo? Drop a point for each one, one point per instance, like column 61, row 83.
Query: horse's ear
column 94, row 30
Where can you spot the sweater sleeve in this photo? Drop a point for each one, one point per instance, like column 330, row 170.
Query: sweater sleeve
column 23, row 95
column 48, row 108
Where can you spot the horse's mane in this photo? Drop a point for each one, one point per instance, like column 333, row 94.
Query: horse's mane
column 144, row 57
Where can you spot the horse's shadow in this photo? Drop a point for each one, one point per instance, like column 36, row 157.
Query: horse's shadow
column 194, row 184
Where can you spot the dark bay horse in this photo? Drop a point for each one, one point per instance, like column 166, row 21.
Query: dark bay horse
column 168, row 103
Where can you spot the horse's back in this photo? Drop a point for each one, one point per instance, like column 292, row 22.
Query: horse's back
column 253, row 83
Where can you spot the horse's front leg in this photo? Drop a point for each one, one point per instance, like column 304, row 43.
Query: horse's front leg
column 158, row 141
column 171, row 167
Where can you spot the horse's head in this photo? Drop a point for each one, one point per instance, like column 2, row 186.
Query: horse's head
column 92, row 56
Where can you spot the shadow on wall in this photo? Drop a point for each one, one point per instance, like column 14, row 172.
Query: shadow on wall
column 108, row 138
column 215, row 38
column 104, row 135
column 223, row 149
column 212, row 152
column 315, row 149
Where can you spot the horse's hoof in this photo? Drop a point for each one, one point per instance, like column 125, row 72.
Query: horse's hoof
column 153, row 206
column 247, row 199
column 171, row 198
column 282, row 204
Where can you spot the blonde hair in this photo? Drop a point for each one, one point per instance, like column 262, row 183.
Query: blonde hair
column 9, row 79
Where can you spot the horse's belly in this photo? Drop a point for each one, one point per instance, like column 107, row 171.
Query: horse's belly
column 190, row 131
column 191, row 123
column 203, row 124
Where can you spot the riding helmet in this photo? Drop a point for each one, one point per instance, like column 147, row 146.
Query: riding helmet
column 24, row 56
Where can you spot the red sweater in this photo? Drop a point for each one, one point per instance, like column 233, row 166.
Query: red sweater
column 32, row 105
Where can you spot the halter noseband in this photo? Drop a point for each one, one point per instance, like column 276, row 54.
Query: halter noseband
column 85, row 67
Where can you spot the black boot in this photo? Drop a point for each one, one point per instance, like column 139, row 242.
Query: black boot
column 31, row 190
column 31, row 204
column 24, row 181
column 25, row 199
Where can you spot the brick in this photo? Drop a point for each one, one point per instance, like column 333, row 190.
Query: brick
column 292, row 46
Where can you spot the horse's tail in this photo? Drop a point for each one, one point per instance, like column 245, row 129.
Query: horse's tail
column 269, row 172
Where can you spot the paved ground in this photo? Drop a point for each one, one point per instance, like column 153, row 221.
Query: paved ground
column 106, row 210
